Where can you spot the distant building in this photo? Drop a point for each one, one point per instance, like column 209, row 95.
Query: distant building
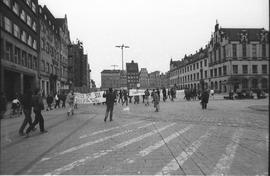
column 77, row 65
column 164, row 80
column 110, row 79
column 132, row 75
column 144, row 79
column 154, row 79
column 235, row 58
column 19, row 46
column 123, row 79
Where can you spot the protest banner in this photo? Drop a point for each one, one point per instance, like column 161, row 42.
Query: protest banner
column 89, row 98
column 136, row 92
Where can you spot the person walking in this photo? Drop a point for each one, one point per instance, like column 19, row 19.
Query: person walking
column 63, row 98
column 3, row 105
column 70, row 101
column 110, row 99
column 164, row 94
column 49, row 101
column 125, row 94
column 156, row 99
column 204, row 99
column 120, row 96
column 27, row 109
column 37, row 104
column 57, row 101
column 147, row 94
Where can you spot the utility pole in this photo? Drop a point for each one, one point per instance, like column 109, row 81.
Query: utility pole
column 122, row 48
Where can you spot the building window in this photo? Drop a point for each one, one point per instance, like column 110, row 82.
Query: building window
column 219, row 54
column 29, row 20
column 224, row 52
column 16, row 31
column 254, row 69
column 219, row 71
column 263, row 50
column 193, row 66
column 28, row 2
column 9, row 51
column 34, row 26
column 188, row 69
column 245, row 84
column 8, row 26
column 42, row 65
column 23, row 15
column 264, row 69
column 205, row 73
column 198, row 76
column 215, row 72
column 211, row 73
column 201, row 64
column 15, row 8
column 29, row 42
column 197, row 65
column 254, row 51
column 234, row 51
column 34, row 63
column 35, row 44
column 205, row 62
column 235, row 69
column 17, row 56
column 30, row 62
column 244, row 50
column 7, row 2
column 264, row 83
column 245, row 69
column 224, row 70
column 254, row 83
column 23, row 36
column 34, row 7
column 24, row 59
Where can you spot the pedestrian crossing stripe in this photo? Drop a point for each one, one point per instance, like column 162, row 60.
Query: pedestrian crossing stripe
column 105, row 152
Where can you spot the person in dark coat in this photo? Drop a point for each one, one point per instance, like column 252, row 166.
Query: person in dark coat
column 3, row 105
column 37, row 104
column 63, row 98
column 49, row 100
column 110, row 100
column 204, row 99
column 125, row 94
column 164, row 94
column 27, row 109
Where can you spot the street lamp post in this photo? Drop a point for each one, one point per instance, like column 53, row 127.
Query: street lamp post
column 122, row 48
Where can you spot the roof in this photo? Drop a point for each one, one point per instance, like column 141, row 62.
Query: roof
column 111, row 71
column 234, row 34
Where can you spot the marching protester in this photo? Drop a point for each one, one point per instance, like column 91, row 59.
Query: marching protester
column 3, row 105
column 147, row 94
column 164, row 94
column 204, row 99
column 49, row 100
column 38, row 106
column 27, row 109
column 57, row 101
column 156, row 100
column 110, row 99
column 125, row 94
column 70, row 101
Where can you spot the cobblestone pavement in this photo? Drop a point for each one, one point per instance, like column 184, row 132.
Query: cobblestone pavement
column 230, row 137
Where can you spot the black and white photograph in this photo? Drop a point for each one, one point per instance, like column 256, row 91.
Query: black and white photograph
column 134, row 87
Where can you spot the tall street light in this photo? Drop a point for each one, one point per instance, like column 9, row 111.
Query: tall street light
column 122, row 48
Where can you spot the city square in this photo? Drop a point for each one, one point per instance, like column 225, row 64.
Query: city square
column 230, row 137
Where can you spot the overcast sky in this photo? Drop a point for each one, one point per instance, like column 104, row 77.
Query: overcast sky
column 155, row 30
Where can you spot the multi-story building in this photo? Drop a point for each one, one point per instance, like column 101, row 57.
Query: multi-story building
column 154, row 79
column 49, row 73
column 64, row 35
column 19, row 46
column 77, row 65
column 132, row 75
column 144, row 79
column 235, row 58
column 110, row 79
column 164, row 80
column 123, row 78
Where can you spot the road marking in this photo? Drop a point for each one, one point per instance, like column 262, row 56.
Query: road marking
column 173, row 165
column 104, row 152
column 157, row 145
column 106, row 130
column 224, row 163
column 72, row 149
